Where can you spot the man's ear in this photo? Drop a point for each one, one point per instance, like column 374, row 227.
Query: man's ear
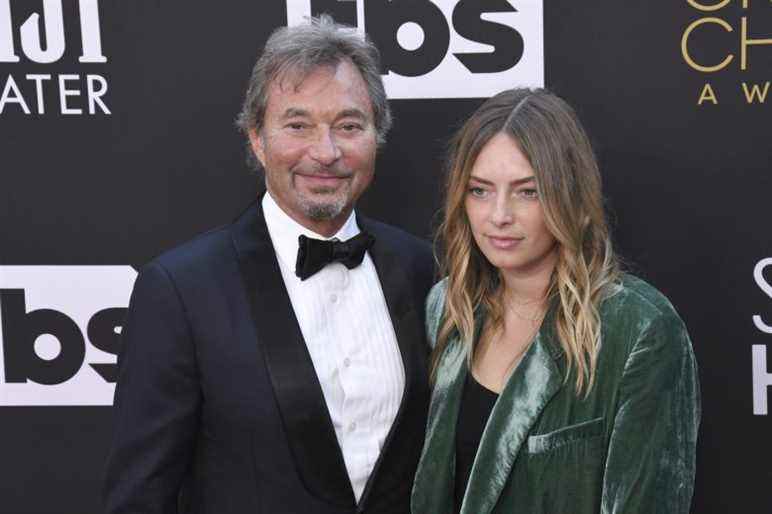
column 256, row 141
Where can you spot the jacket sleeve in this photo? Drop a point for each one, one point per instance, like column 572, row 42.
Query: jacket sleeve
column 650, row 463
column 157, row 402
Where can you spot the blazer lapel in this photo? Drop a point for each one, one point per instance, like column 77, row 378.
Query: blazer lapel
column 435, row 477
column 298, row 394
column 531, row 386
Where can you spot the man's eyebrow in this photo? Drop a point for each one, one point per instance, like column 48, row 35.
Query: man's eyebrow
column 294, row 112
column 513, row 183
column 352, row 113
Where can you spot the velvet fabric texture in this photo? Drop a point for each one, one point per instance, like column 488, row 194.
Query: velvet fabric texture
column 628, row 447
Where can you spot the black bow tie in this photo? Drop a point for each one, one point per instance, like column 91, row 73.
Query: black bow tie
column 315, row 254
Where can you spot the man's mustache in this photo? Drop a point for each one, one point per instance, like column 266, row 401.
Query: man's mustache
column 324, row 172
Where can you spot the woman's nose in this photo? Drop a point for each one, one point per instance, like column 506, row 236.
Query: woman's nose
column 503, row 212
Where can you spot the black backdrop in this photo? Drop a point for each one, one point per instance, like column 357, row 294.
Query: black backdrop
column 86, row 197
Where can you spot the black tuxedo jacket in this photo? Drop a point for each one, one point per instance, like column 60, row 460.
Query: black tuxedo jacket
column 218, row 408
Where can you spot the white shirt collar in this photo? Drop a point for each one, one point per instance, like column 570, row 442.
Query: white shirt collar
column 284, row 231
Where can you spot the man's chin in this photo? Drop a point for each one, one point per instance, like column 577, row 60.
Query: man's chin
column 324, row 209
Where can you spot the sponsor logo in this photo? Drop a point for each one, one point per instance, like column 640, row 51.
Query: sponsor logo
column 60, row 333
column 445, row 48
column 42, row 43
column 762, row 376
column 729, row 43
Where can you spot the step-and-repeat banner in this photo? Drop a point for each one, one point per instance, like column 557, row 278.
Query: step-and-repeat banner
column 117, row 141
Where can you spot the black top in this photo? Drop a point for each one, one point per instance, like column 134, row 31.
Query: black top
column 476, row 406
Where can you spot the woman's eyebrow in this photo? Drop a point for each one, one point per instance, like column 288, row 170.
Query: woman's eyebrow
column 513, row 183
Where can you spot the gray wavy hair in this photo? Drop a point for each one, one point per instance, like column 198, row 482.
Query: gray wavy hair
column 302, row 49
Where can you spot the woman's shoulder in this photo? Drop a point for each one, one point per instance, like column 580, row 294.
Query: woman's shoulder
column 435, row 305
column 645, row 342
column 637, row 297
column 436, row 298
column 640, row 311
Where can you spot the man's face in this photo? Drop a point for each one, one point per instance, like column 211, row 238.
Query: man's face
column 317, row 145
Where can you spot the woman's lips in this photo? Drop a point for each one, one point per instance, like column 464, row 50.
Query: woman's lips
column 504, row 243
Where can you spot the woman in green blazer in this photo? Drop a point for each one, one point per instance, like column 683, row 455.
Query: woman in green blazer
column 561, row 385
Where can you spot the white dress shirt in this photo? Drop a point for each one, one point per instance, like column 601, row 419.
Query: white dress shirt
column 346, row 325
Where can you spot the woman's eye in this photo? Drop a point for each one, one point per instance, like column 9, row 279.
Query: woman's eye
column 478, row 192
column 531, row 194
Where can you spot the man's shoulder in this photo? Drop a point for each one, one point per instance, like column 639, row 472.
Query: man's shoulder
column 203, row 251
column 414, row 253
column 398, row 239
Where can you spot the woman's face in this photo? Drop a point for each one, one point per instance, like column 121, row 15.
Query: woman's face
column 504, row 211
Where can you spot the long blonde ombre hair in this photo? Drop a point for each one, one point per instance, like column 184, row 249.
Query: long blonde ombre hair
column 549, row 134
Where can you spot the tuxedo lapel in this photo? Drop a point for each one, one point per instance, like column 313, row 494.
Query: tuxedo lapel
column 299, row 397
column 390, row 268
column 409, row 331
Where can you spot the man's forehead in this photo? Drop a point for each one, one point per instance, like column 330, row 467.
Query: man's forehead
column 291, row 78
column 296, row 88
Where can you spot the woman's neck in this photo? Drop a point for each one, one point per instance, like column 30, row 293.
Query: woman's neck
column 529, row 286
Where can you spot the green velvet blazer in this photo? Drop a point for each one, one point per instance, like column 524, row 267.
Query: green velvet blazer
column 627, row 448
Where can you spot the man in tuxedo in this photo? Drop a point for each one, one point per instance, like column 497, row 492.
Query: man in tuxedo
column 279, row 364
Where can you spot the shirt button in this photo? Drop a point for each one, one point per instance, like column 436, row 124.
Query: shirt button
column 352, row 427
column 333, row 298
column 342, row 278
column 346, row 362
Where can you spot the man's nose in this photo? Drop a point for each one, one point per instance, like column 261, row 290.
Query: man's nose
column 325, row 150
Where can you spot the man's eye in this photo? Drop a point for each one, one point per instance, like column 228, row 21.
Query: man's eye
column 351, row 127
column 295, row 126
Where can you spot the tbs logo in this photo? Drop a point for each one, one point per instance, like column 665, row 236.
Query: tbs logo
column 445, row 48
column 60, row 333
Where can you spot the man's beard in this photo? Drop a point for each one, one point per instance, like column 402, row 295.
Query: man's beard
column 324, row 210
